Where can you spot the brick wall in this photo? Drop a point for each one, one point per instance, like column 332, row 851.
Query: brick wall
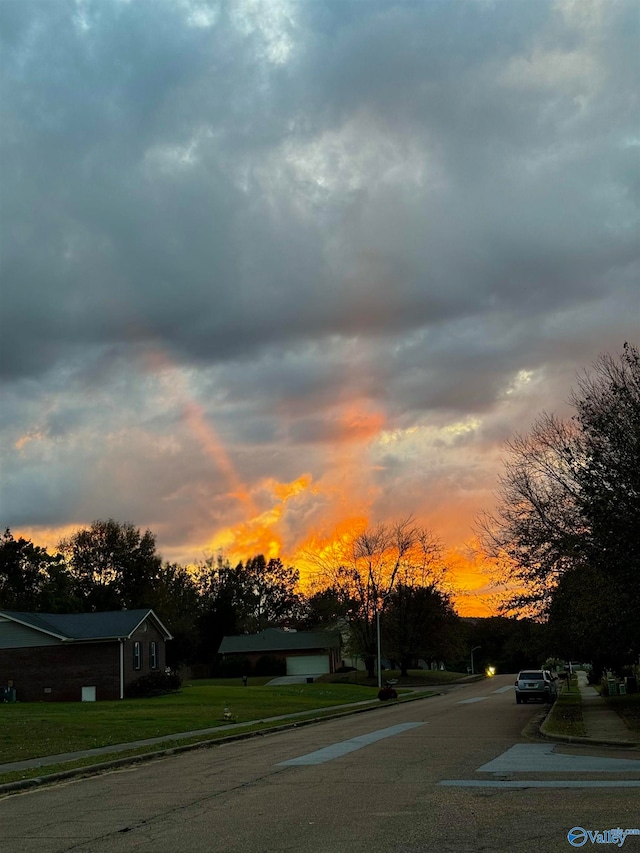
column 62, row 671
column 145, row 638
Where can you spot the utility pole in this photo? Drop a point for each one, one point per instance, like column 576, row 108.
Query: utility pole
column 475, row 648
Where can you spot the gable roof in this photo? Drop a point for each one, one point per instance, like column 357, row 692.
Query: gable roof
column 277, row 640
column 85, row 627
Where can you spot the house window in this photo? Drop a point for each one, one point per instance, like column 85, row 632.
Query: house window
column 153, row 655
column 137, row 654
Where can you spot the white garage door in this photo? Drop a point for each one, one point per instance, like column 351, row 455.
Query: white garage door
column 308, row 665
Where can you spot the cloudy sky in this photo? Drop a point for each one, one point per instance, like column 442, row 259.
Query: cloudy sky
column 274, row 269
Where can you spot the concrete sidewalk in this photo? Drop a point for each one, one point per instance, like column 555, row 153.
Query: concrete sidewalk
column 601, row 722
column 602, row 725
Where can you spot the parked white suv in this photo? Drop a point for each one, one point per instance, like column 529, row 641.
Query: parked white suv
column 535, row 684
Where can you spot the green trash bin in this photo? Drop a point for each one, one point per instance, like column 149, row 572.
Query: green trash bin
column 622, row 689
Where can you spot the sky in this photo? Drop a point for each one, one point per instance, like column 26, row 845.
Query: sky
column 272, row 271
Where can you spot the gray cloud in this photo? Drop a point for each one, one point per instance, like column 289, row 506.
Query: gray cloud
column 312, row 223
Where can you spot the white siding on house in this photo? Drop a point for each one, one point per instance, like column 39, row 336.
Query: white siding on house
column 15, row 636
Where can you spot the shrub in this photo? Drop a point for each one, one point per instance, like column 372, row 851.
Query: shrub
column 233, row 667
column 153, row 684
column 270, row 665
column 385, row 693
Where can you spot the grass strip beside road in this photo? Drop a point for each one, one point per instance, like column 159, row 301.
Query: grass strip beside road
column 167, row 747
column 37, row 729
column 565, row 716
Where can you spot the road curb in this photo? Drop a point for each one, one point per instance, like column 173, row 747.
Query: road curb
column 167, row 751
column 586, row 741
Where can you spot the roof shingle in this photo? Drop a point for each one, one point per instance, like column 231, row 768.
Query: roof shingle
column 87, row 626
column 277, row 640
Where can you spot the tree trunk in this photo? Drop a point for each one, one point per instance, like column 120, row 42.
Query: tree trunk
column 370, row 663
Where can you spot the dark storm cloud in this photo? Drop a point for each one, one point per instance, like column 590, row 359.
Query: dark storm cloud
column 275, row 211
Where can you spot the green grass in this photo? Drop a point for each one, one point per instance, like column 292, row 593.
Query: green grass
column 32, row 730
column 565, row 716
column 628, row 707
column 211, row 737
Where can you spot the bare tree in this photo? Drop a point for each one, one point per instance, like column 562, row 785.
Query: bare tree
column 366, row 569
column 537, row 531
column 569, row 511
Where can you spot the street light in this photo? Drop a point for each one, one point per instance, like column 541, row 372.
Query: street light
column 378, row 611
column 475, row 648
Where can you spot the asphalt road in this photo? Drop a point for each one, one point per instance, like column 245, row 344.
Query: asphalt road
column 407, row 783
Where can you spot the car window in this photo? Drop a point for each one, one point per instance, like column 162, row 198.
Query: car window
column 526, row 676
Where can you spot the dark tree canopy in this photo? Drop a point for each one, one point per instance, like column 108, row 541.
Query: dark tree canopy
column 113, row 564
column 243, row 599
column 270, row 596
column 31, row 579
column 608, row 413
column 419, row 622
column 569, row 513
column 327, row 607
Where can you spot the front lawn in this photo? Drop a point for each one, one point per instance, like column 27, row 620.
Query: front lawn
column 35, row 729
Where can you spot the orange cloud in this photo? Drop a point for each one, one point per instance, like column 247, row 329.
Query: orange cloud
column 34, row 435
column 260, row 534
column 359, row 423
column 45, row 537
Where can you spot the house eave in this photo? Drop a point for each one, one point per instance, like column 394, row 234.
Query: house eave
column 163, row 628
column 33, row 627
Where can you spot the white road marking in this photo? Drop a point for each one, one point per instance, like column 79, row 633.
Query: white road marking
column 494, row 783
column 540, row 758
column 504, row 689
column 469, row 701
column 337, row 750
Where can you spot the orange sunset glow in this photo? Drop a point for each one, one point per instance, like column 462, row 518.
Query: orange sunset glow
column 303, row 519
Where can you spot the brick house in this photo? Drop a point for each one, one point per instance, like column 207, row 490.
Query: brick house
column 305, row 652
column 69, row 657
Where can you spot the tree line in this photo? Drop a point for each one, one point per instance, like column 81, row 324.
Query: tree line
column 392, row 569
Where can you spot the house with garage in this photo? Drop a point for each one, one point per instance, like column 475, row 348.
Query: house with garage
column 72, row 657
column 304, row 652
